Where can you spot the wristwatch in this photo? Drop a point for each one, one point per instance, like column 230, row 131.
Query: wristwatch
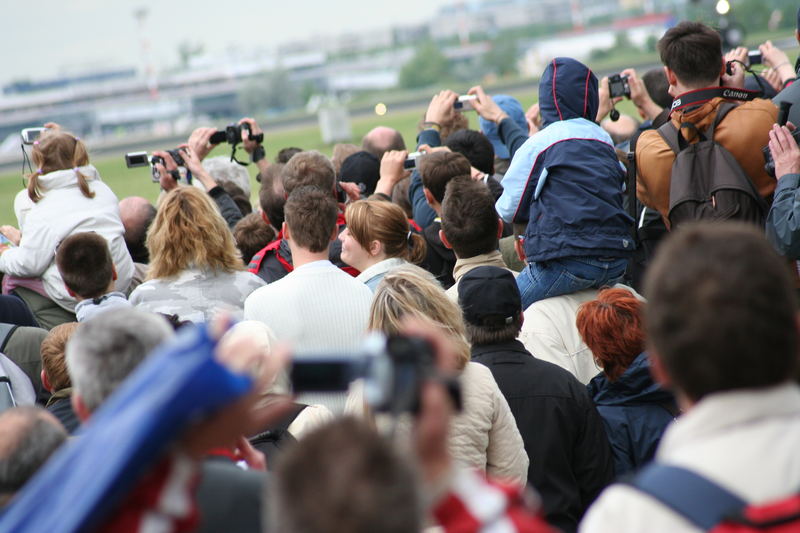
column 258, row 154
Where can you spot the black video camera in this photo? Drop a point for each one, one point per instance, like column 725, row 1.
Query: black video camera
column 233, row 134
column 393, row 369
column 618, row 86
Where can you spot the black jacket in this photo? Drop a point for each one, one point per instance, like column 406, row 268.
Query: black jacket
column 570, row 458
column 439, row 259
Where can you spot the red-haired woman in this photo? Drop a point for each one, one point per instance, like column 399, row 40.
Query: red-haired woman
column 635, row 409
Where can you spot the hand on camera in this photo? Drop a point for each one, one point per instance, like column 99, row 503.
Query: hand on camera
column 486, row 106
column 441, row 109
column 736, row 58
column 165, row 178
column 249, row 144
column 640, row 97
column 200, row 141
column 606, row 103
column 785, row 151
column 391, row 171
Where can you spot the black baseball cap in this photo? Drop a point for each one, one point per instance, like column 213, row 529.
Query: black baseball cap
column 489, row 297
column 362, row 168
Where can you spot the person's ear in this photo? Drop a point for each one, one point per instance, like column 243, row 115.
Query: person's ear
column 519, row 247
column 265, row 218
column 46, row 382
column 81, row 411
column 499, row 228
column 444, row 240
column 521, row 317
column 113, row 272
column 429, row 196
column 285, row 231
column 335, row 233
column 375, row 247
column 672, row 79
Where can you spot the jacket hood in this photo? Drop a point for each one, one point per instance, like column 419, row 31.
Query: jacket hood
column 59, row 179
column 567, row 90
column 636, row 385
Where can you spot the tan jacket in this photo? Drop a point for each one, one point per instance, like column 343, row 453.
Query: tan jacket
column 744, row 132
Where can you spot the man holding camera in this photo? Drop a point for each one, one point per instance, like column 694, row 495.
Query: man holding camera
column 700, row 81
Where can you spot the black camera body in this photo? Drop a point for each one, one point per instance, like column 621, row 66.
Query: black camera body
column 783, row 117
column 233, row 134
column 393, row 369
column 618, row 86
column 176, row 155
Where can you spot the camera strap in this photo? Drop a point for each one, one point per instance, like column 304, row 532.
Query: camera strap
column 701, row 96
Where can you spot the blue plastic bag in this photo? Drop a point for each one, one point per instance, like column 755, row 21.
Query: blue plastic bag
column 87, row 478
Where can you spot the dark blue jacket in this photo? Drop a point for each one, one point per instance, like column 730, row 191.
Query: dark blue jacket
column 565, row 181
column 635, row 412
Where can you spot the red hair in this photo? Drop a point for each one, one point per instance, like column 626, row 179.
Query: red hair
column 611, row 326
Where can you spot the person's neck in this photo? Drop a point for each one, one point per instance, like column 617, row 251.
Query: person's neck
column 373, row 260
column 303, row 256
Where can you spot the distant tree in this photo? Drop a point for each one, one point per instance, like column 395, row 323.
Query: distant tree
column 427, row 67
column 501, row 59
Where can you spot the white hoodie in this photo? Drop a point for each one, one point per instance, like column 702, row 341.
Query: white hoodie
column 63, row 211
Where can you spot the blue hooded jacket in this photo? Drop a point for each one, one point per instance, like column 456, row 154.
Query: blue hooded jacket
column 635, row 412
column 566, row 182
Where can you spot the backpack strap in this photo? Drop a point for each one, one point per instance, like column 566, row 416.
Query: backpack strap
column 701, row 501
column 5, row 334
column 722, row 110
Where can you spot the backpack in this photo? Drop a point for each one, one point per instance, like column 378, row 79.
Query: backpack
column 707, row 182
column 712, row 508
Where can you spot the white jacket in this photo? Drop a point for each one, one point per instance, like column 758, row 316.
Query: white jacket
column 746, row 441
column 63, row 211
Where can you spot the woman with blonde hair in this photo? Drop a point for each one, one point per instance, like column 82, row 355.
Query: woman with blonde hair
column 484, row 435
column 377, row 239
column 195, row 268
column 64, row 196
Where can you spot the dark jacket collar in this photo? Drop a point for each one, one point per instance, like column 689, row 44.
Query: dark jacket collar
column 502, row 347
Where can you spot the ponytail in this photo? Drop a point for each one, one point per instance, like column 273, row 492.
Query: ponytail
column 81, row 158
column 417, row 248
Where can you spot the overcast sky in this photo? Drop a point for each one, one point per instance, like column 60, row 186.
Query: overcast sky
column 41, row 39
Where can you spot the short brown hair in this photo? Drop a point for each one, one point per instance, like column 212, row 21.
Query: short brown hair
column 721, row 312
column 85, row 264
column 311, row 218
column 469, row 219
column 344, row 476
column 52, row 350
column 486, row 335
column 693, row 51
column 252, row 234
column 309, row 169
column 438, row 168
column 271, row 195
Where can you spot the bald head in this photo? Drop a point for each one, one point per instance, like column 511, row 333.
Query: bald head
column 137, row 214
column 622, row 129
column 382, row 139
column 30, row 435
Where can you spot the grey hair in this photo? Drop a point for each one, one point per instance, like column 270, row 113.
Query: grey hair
column 104, row 350
column 31, row 435
column 223, row 170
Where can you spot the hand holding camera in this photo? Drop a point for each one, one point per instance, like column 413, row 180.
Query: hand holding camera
column 735, row 73
column 441, row 107
column 784, row 150
column 252, row 136
column 486, row 106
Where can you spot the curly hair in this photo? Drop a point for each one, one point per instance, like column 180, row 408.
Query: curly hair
column 189, row 231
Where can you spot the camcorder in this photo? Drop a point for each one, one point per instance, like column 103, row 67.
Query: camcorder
column 393, row 369
column 141, row 159
column 783, row 116
column 232, row 134
column 618, row 86
column 411, row 161
column 464, row 102
column 31, row 135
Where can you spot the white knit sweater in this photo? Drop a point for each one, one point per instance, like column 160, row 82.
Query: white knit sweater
column 315, row 308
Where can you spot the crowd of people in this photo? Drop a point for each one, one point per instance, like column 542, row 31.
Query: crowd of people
column 602, row 314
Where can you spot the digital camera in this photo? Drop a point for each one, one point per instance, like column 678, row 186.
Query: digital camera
column 618, row 86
